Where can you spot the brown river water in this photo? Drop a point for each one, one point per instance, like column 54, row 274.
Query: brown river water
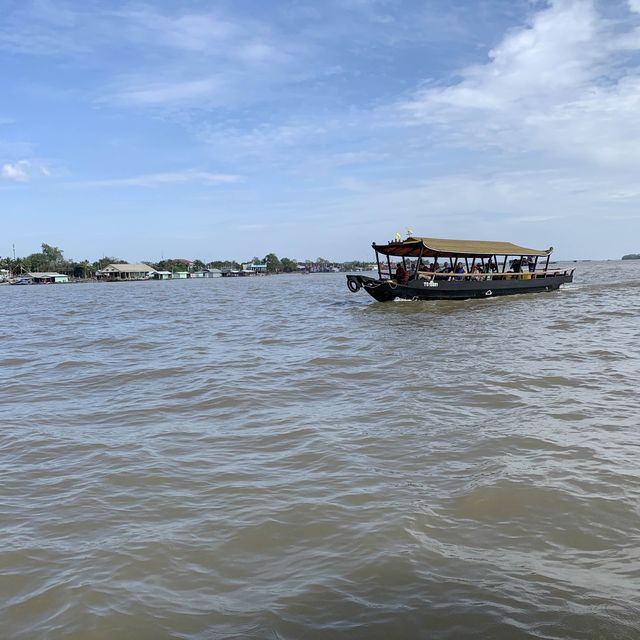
column 277, row 458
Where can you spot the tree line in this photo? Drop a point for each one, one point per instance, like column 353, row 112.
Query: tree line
column 52, row 258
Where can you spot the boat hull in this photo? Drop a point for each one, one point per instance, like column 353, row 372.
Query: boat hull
column 445, row 289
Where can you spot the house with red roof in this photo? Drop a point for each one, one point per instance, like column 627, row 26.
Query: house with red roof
column 181, row 261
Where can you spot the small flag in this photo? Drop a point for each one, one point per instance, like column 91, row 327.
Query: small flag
column 398, row 236
column 409, row 231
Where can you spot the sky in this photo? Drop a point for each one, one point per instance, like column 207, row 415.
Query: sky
column 235, row 128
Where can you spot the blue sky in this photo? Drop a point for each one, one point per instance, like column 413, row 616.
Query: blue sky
column 240, row 127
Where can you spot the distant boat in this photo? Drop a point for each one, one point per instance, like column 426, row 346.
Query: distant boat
column 458, row 270
column 22, row 281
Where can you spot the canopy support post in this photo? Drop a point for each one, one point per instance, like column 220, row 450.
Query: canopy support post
column 546, row 266
column 504, row 264
column 379, row 267
column 389, row 265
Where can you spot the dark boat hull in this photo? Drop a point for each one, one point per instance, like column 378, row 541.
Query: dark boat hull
column 498, row 285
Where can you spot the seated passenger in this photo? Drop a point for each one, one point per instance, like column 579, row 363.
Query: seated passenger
column 425, row 271
column 402, row 277
column 475, row 271
column 491, row 267
column 459, row 268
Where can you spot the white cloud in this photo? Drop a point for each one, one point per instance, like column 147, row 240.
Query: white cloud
column 634, row 5
column 45, row 27
column 258, row 52
column 193, row 32
column 264, row 139
column 543, row 62
column 534, row 208
column 160, row 179
column 188, row 39
column 23, row 171
column 355, row 157
column 202, row 59
column 169, row 92
column 210, row 34
column 17, row 172
column 555, row 86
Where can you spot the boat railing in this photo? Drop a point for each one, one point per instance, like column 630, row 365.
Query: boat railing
column 506, row 275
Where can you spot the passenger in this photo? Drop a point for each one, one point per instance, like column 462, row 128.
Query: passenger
column 491, row 267
column 476, row 271
column 531, row 263
column 516, row 265
column 446, row 268
column 424, row 271
column 402, row 277
column 459, row 269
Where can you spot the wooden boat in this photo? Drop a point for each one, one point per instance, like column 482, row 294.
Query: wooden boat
column 438, row 269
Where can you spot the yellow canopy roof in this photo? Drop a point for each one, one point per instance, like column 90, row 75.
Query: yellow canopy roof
column 429, row 247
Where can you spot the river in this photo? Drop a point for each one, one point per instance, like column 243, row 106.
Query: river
column 277, row 458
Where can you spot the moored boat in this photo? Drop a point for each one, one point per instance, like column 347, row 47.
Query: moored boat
column 439, row 269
